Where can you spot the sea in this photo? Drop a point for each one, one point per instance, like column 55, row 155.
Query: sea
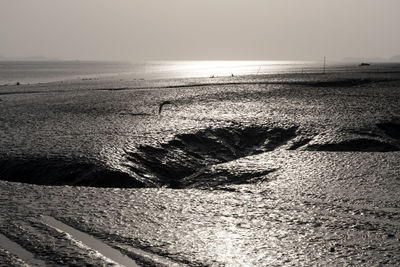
column 34, row 72
column 199, row 163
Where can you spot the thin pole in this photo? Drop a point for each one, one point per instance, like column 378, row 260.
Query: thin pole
column 324, row 64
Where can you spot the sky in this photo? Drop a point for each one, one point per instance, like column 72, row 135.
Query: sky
column 136, row 30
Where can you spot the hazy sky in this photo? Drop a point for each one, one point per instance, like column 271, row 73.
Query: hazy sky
column 199, row 29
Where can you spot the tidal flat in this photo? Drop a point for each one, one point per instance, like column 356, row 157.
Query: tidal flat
column 256, row 170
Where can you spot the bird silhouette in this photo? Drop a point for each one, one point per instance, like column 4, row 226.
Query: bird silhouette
column 165, row 103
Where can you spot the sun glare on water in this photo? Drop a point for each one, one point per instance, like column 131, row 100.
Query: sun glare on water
column 221, row 68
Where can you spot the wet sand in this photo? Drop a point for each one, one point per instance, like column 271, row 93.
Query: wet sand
column 266, row 170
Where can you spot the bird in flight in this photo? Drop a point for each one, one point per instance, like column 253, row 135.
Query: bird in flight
column 165, row 103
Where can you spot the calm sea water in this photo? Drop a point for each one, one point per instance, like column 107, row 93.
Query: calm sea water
column 41, row 72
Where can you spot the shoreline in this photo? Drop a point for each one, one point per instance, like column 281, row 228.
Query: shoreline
column 158, row 73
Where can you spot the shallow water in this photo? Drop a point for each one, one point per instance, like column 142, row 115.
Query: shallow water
column 37, row 72
column 244, row 171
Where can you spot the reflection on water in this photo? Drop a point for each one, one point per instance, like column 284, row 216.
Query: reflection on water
column 215, row 68
column 186, row 69
column 40, row 72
